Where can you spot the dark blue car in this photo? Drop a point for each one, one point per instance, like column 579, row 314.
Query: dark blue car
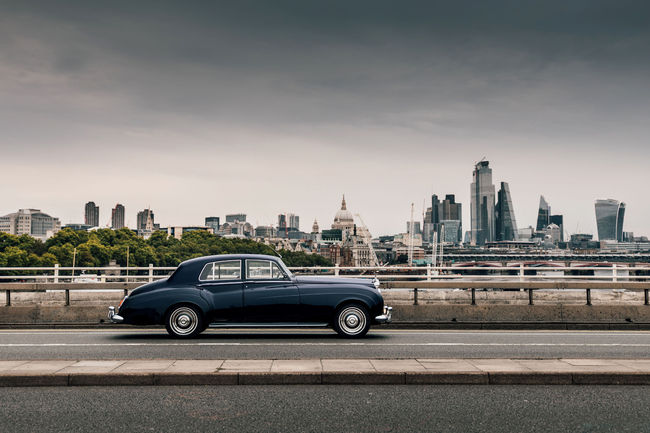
column 245, row 290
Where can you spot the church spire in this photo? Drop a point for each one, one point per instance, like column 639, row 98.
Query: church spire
column 343, row 206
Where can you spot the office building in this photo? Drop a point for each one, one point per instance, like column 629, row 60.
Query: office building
column 449, row 209
column 441, row 210
column 609, row 219
column 178, row 231
column 552, row 233
column 416, row 227
column 236, row 218
column 543, row 214
column 145, row 221
column 558, row 220
column 117, row 217
column 212, row 222
column 265, row 232
column 451, row 232
column 91, row 213
column 482, row 204
column 30, row 222
column 506, row 224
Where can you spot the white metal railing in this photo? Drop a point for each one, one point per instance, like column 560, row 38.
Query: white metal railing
column 521, row 272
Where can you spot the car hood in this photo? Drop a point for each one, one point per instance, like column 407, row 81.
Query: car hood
column 334, row 280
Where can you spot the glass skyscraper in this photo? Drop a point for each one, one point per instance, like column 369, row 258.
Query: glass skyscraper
column 609, row 219
column 543, row 215
column 482, row 204
column 506, row 225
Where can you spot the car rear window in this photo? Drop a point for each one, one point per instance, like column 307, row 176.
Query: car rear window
column 225, row 270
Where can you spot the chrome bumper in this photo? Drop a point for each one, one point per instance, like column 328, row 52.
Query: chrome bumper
column 115, row 318
column 386, row 317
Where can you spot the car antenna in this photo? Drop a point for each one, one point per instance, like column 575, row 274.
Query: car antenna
column 276, row 252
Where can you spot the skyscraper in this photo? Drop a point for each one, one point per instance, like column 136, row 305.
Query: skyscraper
column 449, row 209
column 145, row 220
column 609, row 219
column 445, row 210
column 543, row 215
column 117, row 217
column 482, row 204
column 435, row 212
column 506, row 225
column 91, row 214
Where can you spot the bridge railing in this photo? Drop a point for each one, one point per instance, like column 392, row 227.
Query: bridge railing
column 415, row 279
column 610, row 272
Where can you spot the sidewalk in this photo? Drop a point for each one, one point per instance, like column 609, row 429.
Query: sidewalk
column 326, row 372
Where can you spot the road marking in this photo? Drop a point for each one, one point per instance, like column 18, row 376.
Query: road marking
column 329, row 331
column 325, row 344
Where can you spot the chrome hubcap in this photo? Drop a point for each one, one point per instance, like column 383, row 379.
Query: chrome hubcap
column 352, row 320
column 183, row 321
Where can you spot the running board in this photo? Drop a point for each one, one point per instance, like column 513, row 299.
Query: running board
column 269, row 325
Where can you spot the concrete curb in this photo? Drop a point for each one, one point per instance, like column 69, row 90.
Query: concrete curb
column 325, row 378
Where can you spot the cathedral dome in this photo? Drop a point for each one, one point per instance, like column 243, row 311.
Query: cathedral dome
column 343, row 215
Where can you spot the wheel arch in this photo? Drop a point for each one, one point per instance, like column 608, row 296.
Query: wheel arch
column 349, row 301
column 201, row 311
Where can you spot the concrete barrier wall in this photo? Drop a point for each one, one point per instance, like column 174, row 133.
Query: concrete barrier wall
column 440, row 313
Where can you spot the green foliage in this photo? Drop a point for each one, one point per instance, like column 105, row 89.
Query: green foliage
column 98, row 248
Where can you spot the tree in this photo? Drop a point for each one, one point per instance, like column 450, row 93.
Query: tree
column 99, row 247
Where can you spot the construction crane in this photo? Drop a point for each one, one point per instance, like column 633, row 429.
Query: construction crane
column 411, row 234
column 368, row 240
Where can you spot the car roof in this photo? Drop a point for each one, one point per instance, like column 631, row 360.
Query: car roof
column 221, row 257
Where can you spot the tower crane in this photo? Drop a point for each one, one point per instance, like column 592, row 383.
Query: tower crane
column 366, row 237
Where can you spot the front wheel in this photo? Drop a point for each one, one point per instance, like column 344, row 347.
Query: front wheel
column 352, row 321
column 184, row 321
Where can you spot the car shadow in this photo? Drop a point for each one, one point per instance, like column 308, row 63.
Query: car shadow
column 239, row 335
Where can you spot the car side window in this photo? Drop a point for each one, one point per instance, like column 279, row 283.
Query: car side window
column 217, row 271
column 263, row 270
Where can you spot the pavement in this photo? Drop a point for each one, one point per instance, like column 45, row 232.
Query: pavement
column 412, row 371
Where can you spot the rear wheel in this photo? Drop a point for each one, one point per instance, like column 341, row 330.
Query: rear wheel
column 352, row 321
column 184, row 321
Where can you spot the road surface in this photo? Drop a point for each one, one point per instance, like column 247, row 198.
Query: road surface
column 300, row 344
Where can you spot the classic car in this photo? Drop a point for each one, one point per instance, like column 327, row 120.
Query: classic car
column 246, row 290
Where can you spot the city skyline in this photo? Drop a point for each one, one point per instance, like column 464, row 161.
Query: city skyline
column 368, row 99
column 419, row 219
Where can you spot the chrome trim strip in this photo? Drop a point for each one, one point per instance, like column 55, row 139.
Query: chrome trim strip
column 268, row 325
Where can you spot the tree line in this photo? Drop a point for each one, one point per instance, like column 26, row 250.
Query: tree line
column 99, row 247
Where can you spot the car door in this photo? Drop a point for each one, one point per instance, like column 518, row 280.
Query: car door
column 269, row 294
column 222, row 286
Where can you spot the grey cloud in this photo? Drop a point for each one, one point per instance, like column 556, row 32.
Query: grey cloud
column 506, row 78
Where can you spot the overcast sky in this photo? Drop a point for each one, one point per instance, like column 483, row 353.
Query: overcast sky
column 200, row 108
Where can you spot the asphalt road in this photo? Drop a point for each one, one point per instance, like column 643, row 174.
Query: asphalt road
column 327, row 408
column 296, row 344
